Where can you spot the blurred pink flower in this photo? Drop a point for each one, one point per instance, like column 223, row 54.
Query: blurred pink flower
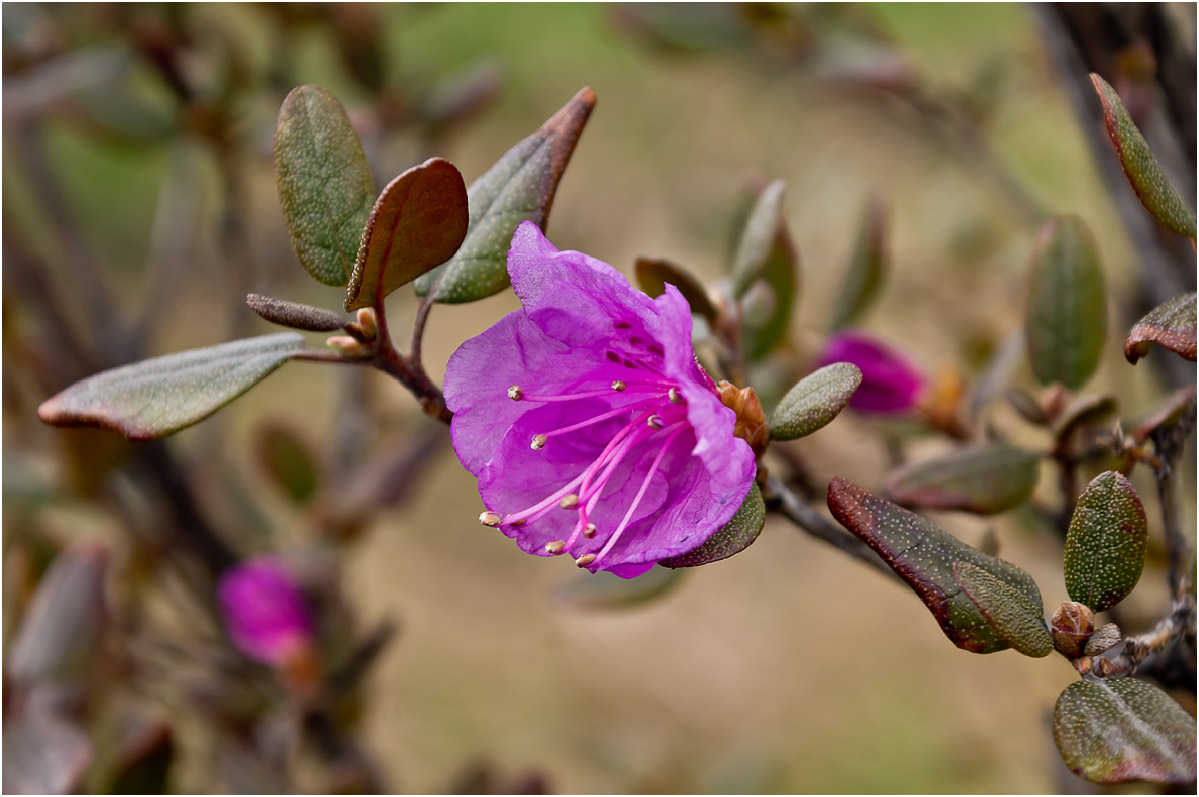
column 265, row 612
column 891, row 383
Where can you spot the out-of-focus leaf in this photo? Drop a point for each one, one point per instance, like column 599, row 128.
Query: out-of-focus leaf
column 156, row 397
column 417, row 223
column 1165, row 415
column 994, row 378
column 757, row 238
column 324, row 183
column 142, row 762
column 924, row 556
column 1066, row 316
column 519, row 187
column 1013, row 617
column 736, row 535
column 295, row 315
column 654, row 274
column 815, row 401
column 1026, row 406
column 1171, row 324
column 761, row 333
column 60, row 630
column 44, row 754
column 867, row 267
column 603, row 590
column 1118, row 730
column 289, row 462
column 1105, row 546
column 461, row 96
column 1140, row 167
column 985, row 479
column 1084, row 411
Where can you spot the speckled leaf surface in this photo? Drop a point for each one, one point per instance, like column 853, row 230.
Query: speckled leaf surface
column 867, row 266
column 1066, row 314
column 924, row 557
column 156, row 397
column 1118, row 730
column 736, row 535
column 295, row 315
column 985, row 479
column 324, row 183
column 1015, row 619
column 1144, row 173
column 654, row 274
column 519, row 187
column 417, row 223
column 604, row 590
column 1105, row 546
column 761, row 332
column 1170, row 324
column 757, row 238
column 815, row 401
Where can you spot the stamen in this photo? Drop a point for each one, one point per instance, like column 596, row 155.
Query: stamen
column 555, row 547
column 538, row 442
column 619, row 385
column 675, row 396
column 640, row 492
column 517, row 523
column 515, row 393
column 570, row 501
column 601, row 417
column 589, row 531
column 645, row 387
column 490, row 518
column 585, row 559
column 655, row 422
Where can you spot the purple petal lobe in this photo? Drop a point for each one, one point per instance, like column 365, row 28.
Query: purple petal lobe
column 264, row 610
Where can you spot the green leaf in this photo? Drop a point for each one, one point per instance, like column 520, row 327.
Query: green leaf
column 1084, row 411
column 295, row 315
column 1118, row 730
column 1166, row 416
column 757, row 238
column 603, row 590
column 155, row 397
column 1172, row 324
column 519, row 187
column 1143, row 171
column 324, row 182
column 924, row 556
column 985, row 479
column 760, row 333
column 289, row 462
column 62, row 627
column 1013, row 617
column 1105, row 545
column 734, row 537
column 867, row 267
column 654, row 274
column 1066, row 315
column 417, row 223
column 814, row 401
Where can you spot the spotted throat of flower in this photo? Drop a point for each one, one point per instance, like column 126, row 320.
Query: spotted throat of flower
column 656, row 414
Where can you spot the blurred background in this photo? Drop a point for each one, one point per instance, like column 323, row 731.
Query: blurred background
column 140, row 208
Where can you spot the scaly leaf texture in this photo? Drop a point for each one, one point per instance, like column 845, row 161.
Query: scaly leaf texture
column 1106, row 542
column 1170, row 324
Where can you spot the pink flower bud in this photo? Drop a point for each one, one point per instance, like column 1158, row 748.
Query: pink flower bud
column 265, row 613
column 890, row 382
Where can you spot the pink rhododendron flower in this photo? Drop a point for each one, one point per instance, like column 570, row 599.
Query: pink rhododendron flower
column 265, row 613
column 890, row 382
column 589, row 423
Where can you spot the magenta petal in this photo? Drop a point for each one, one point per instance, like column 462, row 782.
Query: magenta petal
column 618, row 451
column 890, row 382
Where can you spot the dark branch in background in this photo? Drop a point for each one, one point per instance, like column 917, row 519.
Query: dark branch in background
column 780, row 499
column 1092, row 37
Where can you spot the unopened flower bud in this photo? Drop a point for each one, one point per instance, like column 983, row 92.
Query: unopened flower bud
column 265, row 613
column 890, row 382
column 1104, row 638
column 346, row 345
column 367, row 323
column 1072, row 625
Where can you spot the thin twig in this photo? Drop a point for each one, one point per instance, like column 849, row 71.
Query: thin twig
column 1137, row 649
column 781, row 499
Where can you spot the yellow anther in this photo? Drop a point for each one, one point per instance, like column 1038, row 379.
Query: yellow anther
column 538, row 443
column 585, row 559
column 515, row 393
column 490, row 518
column 556, row 547
column 589, row 531
column 570, row 501
column 619, row 385
column 675, row 396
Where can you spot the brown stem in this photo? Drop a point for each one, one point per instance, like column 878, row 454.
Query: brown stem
column 418, row 330
column 781, row 499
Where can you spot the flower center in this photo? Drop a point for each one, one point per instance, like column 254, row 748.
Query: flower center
column 655, row 416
